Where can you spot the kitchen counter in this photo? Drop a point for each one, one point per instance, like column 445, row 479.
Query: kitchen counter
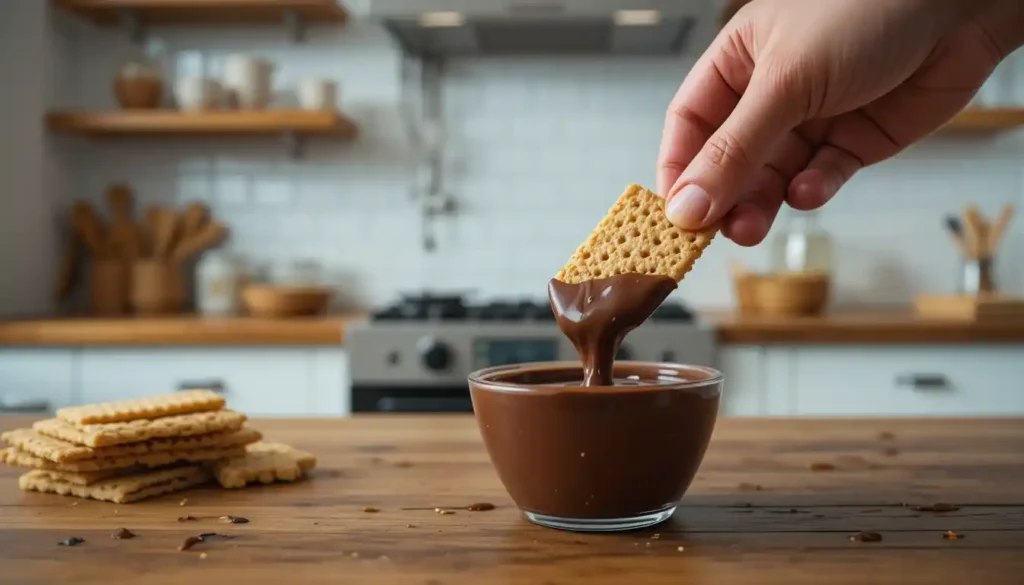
column 795, row 530
column 839, row 328
column 176, row 330
column 861, row 327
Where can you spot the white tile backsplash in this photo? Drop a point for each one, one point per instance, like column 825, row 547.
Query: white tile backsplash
column 538, row 149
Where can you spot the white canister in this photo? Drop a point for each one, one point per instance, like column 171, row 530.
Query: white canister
column 249, row 80
column 218, row 284
column 318, row 94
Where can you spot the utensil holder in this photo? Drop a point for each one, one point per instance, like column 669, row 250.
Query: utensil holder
column 157, row 287
column 978, row 276
column 108, row 287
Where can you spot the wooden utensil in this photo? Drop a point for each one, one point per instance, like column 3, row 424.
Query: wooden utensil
column 210, row 235
column 974, row 232
column 165, row 233
column 69, row 262
column 124, row 237
column 89, row 228
column 194, row 219
column 998, row 229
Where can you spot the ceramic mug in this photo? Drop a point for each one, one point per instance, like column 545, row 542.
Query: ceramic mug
column 197, row 93
column 249, row 81
column 318, row 94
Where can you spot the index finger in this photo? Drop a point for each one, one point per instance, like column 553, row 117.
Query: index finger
column 703, row 102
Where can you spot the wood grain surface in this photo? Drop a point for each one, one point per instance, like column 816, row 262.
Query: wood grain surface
column 843, row 328
column 881, row 328
column 177, row 330
column 794, row 531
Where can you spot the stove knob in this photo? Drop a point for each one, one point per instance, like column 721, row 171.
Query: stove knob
column 624, row 353
column 436, row 355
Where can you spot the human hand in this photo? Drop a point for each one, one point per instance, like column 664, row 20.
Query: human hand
column 795, row 96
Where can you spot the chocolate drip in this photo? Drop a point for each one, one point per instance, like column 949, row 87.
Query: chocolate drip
column 597, row 314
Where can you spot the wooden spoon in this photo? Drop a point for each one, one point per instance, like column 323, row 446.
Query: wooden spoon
column 998, row 230
column 89, row 228
column 210, row 235
column 68, row 266
column 124, row 236
column 195, row 217
column 974, row 232
column 165, row 233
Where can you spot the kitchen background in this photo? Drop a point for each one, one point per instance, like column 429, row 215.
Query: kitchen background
column 535, row 150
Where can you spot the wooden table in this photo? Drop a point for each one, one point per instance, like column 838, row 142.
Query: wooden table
column 794, row 531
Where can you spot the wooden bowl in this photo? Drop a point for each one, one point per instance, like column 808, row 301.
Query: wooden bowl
column 264, row 300
column 745, row 285
column 793, row 293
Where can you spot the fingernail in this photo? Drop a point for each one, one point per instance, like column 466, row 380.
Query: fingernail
column 689, row 207
column 830, row 186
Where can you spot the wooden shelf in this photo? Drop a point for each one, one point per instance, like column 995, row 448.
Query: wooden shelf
column 987, row 120
column 219, row 12
column 173, row 122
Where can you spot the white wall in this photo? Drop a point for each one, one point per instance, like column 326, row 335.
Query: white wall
column 28, row 167
column 540, row 148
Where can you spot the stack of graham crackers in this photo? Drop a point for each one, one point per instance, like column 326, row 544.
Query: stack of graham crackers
column 130, row 450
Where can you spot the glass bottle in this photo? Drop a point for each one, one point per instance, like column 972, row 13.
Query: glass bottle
column 802, row 245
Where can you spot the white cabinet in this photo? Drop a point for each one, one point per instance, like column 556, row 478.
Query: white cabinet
column 743, row 368
column 30, row 377
column 965, row 380
column 331, row 382
column 261, row 382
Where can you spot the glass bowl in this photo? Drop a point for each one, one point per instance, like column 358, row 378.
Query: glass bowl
column 596, row 459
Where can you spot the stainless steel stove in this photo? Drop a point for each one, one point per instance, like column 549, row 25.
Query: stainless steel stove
column 414, row 355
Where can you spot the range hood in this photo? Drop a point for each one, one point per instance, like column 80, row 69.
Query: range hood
column 441, row 28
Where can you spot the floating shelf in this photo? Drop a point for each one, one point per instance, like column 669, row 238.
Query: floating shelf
column 986, row 120
column 173, row 122
column 219, row 12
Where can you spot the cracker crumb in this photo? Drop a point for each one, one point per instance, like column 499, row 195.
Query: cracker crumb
column 183, row 502
column 203, row 555
column 583, row 454
column 355, row 555
column 951, row 535
column 680, row 548
column 866, row 537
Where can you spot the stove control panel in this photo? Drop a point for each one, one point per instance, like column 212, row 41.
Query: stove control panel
column 424, row 355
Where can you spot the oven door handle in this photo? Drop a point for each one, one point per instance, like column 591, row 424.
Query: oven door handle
column 421, row 404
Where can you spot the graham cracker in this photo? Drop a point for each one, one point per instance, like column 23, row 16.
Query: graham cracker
column 87, row 477
column 636, row 237
column 17, row 458
column 119, row 433
column 263, row 463
column 140, row 408
column 58, row 451
column 120, row 490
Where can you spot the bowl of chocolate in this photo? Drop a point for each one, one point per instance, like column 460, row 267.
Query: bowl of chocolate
column 601, row 445
column 596, row 458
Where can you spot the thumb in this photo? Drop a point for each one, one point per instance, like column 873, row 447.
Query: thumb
column 726, row 165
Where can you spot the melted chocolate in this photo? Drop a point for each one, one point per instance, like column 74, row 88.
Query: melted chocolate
column 570, row 451
column 597, row 314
